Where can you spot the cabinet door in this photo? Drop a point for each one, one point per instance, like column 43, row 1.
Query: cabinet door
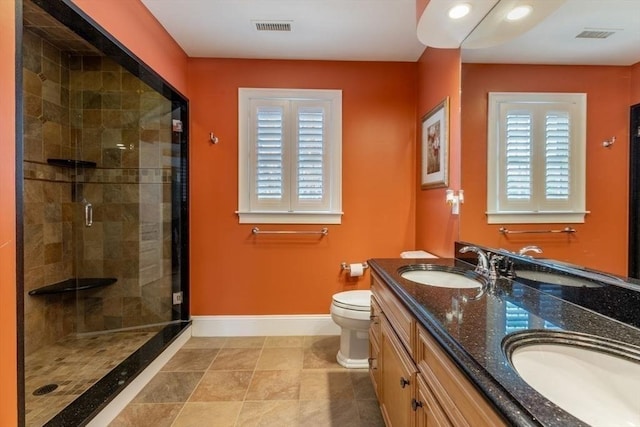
column 398, row 380
column 428, row 411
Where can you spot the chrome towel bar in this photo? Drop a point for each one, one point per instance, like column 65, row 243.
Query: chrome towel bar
column 564, row 230
column 323, row 232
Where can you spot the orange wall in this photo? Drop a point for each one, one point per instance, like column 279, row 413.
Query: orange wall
column 635, row 84
column 601, row 242
column 8, row 359
column 438, row 77
column 130, row 22
column 233, row 272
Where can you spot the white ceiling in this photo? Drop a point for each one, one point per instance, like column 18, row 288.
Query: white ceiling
column 358, row 30
column 385, row 30
column 553, row 41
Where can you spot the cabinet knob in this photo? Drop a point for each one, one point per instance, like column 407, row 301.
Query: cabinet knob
column 415, row 404
column 403, row 382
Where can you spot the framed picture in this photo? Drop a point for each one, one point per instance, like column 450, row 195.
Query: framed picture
column 435, row 147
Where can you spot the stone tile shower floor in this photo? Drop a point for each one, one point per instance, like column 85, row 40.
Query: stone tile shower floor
column 255, row 381
column 75, row 363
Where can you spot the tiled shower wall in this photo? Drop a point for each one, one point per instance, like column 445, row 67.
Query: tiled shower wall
column 48, row 211
column 89, row 108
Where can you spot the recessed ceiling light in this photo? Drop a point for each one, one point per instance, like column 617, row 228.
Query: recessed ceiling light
column 519, row 12
column 459, row 11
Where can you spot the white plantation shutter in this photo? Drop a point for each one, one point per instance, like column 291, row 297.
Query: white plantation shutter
column 518, row 156
column 536, row 158
column 311, row 163
column 557, row 155
column 289, row 156
column 269, row 153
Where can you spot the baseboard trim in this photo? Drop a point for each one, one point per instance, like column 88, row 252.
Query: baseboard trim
column 267, row 325
column 111, row 411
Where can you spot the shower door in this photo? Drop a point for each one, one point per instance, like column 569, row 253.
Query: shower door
column 123, row 199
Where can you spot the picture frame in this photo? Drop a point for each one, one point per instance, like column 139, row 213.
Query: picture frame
column 435, row 147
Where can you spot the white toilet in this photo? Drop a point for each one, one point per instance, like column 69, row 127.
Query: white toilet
column 351, row 310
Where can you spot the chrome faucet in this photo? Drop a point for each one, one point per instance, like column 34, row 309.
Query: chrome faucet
column 494, row 260
column 487, row 265
column 530, row 248
column 482, row 267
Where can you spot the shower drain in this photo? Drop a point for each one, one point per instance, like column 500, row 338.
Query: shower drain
column 45, row 389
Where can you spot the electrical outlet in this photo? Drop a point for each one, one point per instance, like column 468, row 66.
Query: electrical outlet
column 177, row 298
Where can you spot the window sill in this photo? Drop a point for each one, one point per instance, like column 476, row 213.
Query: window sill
column 289, row 217
column 536, row 217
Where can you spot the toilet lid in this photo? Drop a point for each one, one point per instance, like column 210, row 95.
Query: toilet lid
column 353, row 300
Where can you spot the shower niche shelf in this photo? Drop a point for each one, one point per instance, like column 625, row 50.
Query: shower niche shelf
column 71, row 163
column 72, row 285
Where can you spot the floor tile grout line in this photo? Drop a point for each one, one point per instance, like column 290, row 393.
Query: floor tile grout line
column 195, row 387
column 253, row 373
column 244, row 400
column 224, row 346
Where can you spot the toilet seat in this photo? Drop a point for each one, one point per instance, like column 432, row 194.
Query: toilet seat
column 353, row 300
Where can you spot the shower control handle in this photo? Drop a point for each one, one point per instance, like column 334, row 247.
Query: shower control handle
column 88, row 214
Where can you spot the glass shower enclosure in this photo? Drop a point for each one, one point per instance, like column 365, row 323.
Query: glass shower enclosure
column 104, row 206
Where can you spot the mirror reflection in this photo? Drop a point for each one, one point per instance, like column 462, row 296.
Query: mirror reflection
column 590, row 47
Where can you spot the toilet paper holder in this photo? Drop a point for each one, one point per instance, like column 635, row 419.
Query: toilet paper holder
column 344, row 266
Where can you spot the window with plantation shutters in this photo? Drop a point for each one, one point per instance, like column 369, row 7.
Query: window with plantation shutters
column 536, row 158
column 289, row 156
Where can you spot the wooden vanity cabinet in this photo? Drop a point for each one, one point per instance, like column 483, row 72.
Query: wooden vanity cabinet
column 459, row 399
column 398, row 379
column 416, row 382
column 395, row 377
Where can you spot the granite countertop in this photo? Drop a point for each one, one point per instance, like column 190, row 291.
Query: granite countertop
column 471, row 331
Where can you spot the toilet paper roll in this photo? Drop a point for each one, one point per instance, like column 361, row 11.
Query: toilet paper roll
column 356, row 270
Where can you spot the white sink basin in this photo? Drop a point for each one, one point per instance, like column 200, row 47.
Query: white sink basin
column 556, row 279
column 442, row 279
column 595, row 385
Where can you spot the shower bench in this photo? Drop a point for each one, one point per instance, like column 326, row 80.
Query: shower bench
column 72, row 285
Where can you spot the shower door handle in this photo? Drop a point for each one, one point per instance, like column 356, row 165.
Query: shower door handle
column 88, row 214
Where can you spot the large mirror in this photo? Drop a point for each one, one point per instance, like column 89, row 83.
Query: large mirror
column 580, row 46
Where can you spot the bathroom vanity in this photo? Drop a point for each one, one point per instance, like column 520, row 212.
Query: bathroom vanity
column 416, row 382
column 440, row 356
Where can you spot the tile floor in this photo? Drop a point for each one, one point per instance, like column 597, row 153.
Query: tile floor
column 74, row 364
column 255, row 381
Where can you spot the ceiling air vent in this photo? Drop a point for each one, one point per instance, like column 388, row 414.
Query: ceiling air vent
column 272, row 25
column 595, row 34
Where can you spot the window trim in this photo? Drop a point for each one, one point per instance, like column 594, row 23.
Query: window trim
column 577, row 211
column 333, row 215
